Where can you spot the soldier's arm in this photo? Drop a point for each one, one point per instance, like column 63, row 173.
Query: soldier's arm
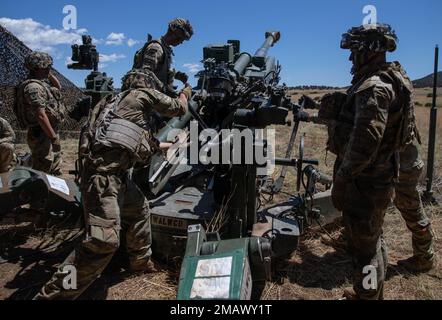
column 153, row 56
column 45, row 124
column 371, row 117
column 35, row 97
column 54, row 81
column 165, row 105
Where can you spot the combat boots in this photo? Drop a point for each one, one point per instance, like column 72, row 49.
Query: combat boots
column 416, row 265
column 349, row 294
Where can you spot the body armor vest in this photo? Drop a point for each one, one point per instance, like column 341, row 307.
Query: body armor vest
column 54, row 106
column 163, row 72
column 401, row 126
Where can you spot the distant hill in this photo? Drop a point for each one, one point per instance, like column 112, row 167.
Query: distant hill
column 314, row 87
column 428, row 81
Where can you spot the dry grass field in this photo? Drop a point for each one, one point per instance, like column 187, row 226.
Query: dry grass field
column 318, row 270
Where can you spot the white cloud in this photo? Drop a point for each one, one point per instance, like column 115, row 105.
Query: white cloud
column 41, row 37
column 115, row 39
column 193, row 67
column 131, row 42
column 68, row 60
column 114, row 57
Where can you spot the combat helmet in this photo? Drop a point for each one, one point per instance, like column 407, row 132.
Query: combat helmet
column 140, row 78
column 371, row 37
column 183, row 25
column 38, row 60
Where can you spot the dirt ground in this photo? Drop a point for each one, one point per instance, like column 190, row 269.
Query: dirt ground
column 319, row 269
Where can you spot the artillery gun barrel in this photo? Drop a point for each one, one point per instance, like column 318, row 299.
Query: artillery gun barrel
column 242, row 63
column 176, row 123
column 272, row 37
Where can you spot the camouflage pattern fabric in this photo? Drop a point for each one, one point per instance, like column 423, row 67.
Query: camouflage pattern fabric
column 369, row 167
column 113, row 205
column 140, row 78
column 7, row 138
column 37, row 95
column 182, row 25
column 373, row 37
column 156, row 57
column 363, row 217
column 42, row 156
column 409, row 203
column 38, row 60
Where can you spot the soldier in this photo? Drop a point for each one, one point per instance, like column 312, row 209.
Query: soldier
column 118, row 137
column 375, row 123
column 407, row 198
column 7, row 138
column 156, row 55
column 40, row 109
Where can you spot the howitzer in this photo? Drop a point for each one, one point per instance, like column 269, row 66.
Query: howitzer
column 237, row 93
column 208, row 211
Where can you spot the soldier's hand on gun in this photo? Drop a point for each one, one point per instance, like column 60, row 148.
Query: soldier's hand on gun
column 181, row 76
column 180, row 142
column 187, row 91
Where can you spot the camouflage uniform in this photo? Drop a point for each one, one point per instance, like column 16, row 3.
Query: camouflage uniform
column 111, row 201
column 7, row 138
column 39, row 94
column 156, row 55
column 373, row 118
column 409, row 203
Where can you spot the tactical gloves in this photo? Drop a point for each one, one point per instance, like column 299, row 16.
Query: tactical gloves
column 187, row 91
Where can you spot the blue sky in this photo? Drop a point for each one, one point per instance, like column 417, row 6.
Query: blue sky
column 310, row 32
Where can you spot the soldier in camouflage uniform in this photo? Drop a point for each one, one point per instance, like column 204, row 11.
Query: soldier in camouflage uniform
column 156, row 55
column 118, row 138
column 407, row 198
column 40, row 109
column 375, row 123
column 7, row 138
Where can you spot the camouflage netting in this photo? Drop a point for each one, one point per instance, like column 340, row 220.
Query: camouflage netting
column 13, row 72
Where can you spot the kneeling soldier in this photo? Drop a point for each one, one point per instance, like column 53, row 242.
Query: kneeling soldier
column 117, row 137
